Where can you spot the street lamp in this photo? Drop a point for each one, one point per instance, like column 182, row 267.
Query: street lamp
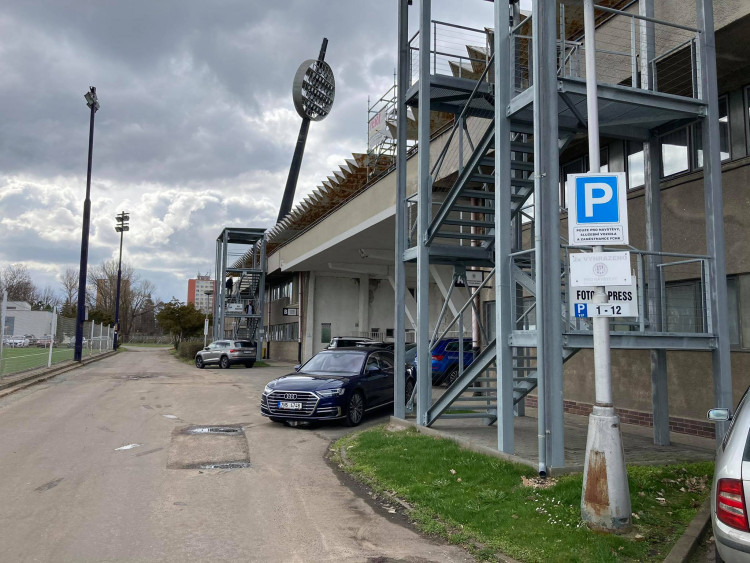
column 93, row 103
column 121, row 226
column 208, row 295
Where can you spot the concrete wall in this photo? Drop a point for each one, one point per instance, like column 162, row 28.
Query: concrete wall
column 37, row 323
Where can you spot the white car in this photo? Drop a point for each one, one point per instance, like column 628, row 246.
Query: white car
column 731, row 486
column 18, row 342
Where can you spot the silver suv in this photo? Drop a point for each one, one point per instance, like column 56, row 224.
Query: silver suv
column 731, row 485
column 226, row 353
column 348, row 341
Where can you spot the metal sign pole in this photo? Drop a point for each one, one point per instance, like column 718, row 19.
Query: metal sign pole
column 52, row 331
column 2, row 328
column 605, row 502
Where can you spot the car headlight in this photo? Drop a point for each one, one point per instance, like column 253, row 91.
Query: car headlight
column 331, row 392
column 267, row 390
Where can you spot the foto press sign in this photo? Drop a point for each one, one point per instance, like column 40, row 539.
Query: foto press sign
column 597, row 209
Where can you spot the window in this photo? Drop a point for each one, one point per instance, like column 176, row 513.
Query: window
column 287, row 332
column 733, row 308
column 674, row 152
column 724, row 140
column 635, row 164
column 325, row 333
column 282, row 291
column 489, row 319
column 684, row 307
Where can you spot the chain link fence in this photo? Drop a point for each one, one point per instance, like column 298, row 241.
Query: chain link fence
column 39, row 339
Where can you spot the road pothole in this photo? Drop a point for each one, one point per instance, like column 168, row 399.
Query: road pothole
column 216, row 446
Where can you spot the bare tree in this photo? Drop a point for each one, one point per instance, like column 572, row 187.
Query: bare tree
column 46, row 299
column 135, row 293
column 16, row 280
column 69, row 285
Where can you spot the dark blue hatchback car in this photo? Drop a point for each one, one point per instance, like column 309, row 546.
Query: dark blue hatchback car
column 337, row 384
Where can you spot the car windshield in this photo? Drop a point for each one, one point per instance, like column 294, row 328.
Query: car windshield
column 239, row 344
column 347, row 362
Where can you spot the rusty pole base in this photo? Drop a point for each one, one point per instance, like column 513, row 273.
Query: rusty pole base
column 605, row 503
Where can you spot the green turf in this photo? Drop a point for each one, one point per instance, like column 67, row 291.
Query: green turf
column 480, row 502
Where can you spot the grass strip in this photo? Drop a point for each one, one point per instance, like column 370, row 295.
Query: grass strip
column 492, row 506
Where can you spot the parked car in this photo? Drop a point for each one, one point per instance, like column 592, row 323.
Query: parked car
column 72, row 343
column 445, row 362
column 18, row 342
column 226, row 353
column 44, row 341
column 731, row 485
column 340, row 384
column 347, row 341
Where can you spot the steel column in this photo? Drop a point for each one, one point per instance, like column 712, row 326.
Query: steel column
column 503, row 286
column 547, row 239
column 424, row 187
column 717, row 295
column 399, row 265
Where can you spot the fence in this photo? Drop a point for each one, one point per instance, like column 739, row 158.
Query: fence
column 52, row 342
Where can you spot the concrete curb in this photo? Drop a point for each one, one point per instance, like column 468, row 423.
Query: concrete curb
column 16, row 383
column 689, row 540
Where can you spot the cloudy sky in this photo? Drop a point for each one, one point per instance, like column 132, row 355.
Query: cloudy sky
column 196, row 128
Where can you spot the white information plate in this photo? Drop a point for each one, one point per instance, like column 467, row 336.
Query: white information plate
column 599, row 268
column 582, row 304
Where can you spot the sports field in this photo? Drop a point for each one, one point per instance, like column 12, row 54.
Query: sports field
column 20, row 359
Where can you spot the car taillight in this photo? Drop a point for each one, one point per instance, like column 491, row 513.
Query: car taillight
column 232, row 351
column 730, row 504
column 438, row 358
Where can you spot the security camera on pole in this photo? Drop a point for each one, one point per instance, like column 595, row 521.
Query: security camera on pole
column 597, row 215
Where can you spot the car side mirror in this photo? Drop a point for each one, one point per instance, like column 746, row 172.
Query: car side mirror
column 372, row 368
column 206, row 348
column 719, row 415
column 297, row 367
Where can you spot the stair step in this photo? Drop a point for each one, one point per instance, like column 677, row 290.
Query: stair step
column 474, row 209
column 476, row 236
column 469, row 223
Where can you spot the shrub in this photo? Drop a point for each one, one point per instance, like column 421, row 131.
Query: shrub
column 188, row 350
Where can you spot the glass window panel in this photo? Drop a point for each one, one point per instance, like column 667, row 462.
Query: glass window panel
column 684, row 307
column 635, row 165
column 489, row 319
column 674, row 152
column 733, row 306
column 724, row 141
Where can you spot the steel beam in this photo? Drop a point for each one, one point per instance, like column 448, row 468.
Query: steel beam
column 547, row 239
column 717, row 291
column 399, row 281
column 504, row 209
column 424, row 189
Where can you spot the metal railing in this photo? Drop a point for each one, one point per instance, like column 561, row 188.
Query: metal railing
column 451, row 50
column 620, row 37
column 681, row 287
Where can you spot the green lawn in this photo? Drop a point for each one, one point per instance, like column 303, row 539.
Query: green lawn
column 20, row 359
column 486, row 504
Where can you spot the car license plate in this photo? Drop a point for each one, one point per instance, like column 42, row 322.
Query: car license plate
column 291, row 406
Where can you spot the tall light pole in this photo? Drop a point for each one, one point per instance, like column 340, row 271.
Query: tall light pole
column 208, row 294
column 93, row 103
column 121, row 226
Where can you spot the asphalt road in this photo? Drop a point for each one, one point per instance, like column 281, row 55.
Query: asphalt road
column 104, row 464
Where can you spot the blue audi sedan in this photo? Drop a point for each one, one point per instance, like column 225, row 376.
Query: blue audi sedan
column 338, row 384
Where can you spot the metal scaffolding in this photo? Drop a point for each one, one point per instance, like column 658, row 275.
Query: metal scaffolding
column 489, row 201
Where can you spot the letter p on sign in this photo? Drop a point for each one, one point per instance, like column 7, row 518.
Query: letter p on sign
column 596, row 200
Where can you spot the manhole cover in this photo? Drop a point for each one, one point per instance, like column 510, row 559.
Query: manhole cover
column 214, row 430
column 228, row 465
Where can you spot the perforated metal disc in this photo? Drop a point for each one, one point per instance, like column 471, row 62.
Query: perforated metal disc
column 313, row 90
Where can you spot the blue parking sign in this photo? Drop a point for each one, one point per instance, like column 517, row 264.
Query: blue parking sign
column 581, row 310
column 596, row 199
column 597, row 209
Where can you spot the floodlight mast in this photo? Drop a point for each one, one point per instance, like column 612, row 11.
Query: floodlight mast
column 121, row 226
column 93, row 103
column 313, row 92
